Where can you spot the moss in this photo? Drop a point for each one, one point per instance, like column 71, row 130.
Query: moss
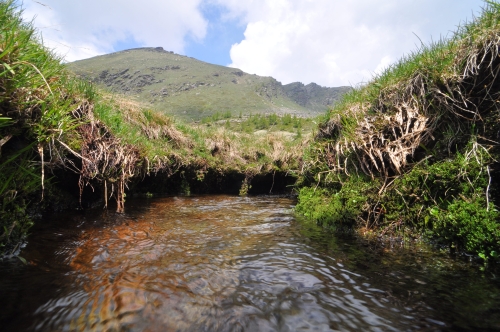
column 245, row 187
column 446, row 200
column 467, row 225
column 331, row 207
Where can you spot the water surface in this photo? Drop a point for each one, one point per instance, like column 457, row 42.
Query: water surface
column 224, row 263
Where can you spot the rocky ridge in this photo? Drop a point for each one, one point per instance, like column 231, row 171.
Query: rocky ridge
column 193, row 89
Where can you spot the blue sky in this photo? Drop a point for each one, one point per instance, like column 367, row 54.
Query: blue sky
column 330, row 42
column 214, row 47
column 221, row 34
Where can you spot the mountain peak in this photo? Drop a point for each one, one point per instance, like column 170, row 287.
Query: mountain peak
column 193, row 89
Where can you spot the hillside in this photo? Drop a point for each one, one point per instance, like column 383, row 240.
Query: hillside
column 193, row 89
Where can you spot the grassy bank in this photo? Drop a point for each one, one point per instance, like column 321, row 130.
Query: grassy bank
column 63, row 142
column 36, row 100
column 414, row 152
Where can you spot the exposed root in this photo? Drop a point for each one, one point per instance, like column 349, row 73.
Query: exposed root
column 104, row 157
column 410, row 114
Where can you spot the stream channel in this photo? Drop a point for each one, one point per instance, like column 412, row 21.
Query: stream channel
column 227, row 263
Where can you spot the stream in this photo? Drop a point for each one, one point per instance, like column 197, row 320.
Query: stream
column 228, row 263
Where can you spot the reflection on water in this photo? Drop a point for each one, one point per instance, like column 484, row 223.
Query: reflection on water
column 221, row 263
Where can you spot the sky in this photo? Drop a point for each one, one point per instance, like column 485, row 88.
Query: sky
column 329, row 42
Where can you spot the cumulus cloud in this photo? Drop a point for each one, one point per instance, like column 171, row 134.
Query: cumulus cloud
column 81, row 29
column 333, row 42
column 330, row 42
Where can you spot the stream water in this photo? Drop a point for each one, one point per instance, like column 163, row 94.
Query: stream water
column 225, row 263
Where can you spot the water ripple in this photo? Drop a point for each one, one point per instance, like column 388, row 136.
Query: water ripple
column 209, row 264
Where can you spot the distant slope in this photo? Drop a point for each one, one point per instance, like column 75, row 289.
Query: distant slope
column 312, row 96
column 193, row 89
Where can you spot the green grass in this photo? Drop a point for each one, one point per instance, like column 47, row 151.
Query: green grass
column 36, row 101
column 269, row 122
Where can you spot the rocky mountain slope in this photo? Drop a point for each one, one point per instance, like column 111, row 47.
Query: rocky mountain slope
column 193, row 89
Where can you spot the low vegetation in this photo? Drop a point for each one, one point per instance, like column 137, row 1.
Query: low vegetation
column 288, row 123
column 36, row 100
column 415, row 151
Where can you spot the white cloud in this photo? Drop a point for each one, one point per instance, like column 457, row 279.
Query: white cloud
column 384, row 63
column 330, row 42
column 337, row 42
column 81, row 29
